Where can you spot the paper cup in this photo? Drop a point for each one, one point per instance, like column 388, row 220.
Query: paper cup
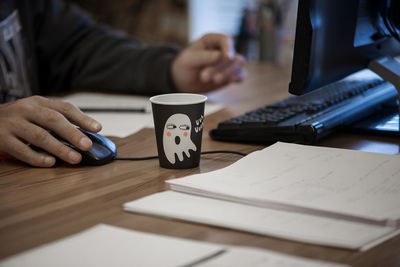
column 178, row 124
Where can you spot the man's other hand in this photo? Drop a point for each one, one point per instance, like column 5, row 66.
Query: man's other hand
column 207, row 64
column 29, row 120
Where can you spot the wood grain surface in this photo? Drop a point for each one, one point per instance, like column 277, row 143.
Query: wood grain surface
column 41, row 205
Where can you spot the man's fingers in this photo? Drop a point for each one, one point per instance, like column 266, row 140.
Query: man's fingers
column 206, row 75
column 72, row 113
column 55, row 121
column 57, row 116
column 231, row 73
column 201, row 58
column 41, row 138
column 220, row 42
column 30, row 120
column 23, row 152
column 226, row 71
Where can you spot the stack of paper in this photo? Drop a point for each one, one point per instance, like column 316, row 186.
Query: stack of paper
column 319, row 195
column 276, row 223
column 328, row 181
column 105, row 245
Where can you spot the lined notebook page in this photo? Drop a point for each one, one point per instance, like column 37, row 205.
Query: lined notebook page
column 316, row 179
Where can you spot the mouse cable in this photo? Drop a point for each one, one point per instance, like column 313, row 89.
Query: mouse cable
column 203, row 153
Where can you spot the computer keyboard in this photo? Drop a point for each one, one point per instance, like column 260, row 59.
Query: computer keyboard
column 307, row 118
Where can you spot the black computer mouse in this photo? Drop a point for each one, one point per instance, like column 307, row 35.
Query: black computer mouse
column 102, row 152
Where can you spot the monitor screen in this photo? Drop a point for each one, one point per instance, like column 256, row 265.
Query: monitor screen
column 335, row 38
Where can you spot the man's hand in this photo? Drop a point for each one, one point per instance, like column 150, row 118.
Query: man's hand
column 207, row 64
column 27, row 121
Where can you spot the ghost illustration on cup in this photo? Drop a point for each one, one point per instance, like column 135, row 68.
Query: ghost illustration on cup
column 176, row 137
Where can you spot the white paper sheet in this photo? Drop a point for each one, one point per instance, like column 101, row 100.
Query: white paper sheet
column 312, row 179
column 239, row 257
column 121, row 124
column 105, row 246
column 281, row 224
column 100, row 100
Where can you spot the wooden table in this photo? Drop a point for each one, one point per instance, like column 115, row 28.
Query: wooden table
column 41, row 205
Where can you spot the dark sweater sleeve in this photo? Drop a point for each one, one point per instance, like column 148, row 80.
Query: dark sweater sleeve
column 75, row 53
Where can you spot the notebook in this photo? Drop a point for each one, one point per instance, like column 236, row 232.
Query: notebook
column 339, row 183
column 326, row 196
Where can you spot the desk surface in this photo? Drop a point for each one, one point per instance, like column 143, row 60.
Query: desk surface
column 41, row 205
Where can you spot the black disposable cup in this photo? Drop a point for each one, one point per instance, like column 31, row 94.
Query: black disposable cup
column 178, row 123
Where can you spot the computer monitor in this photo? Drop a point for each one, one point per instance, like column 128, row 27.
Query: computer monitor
column 335, row 38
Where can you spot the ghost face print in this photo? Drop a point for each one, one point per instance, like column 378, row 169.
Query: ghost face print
column 176, row 137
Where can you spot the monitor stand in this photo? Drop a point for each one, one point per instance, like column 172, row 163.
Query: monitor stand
column 387, row 121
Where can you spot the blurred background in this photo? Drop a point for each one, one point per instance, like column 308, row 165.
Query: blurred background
column 263, row 30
